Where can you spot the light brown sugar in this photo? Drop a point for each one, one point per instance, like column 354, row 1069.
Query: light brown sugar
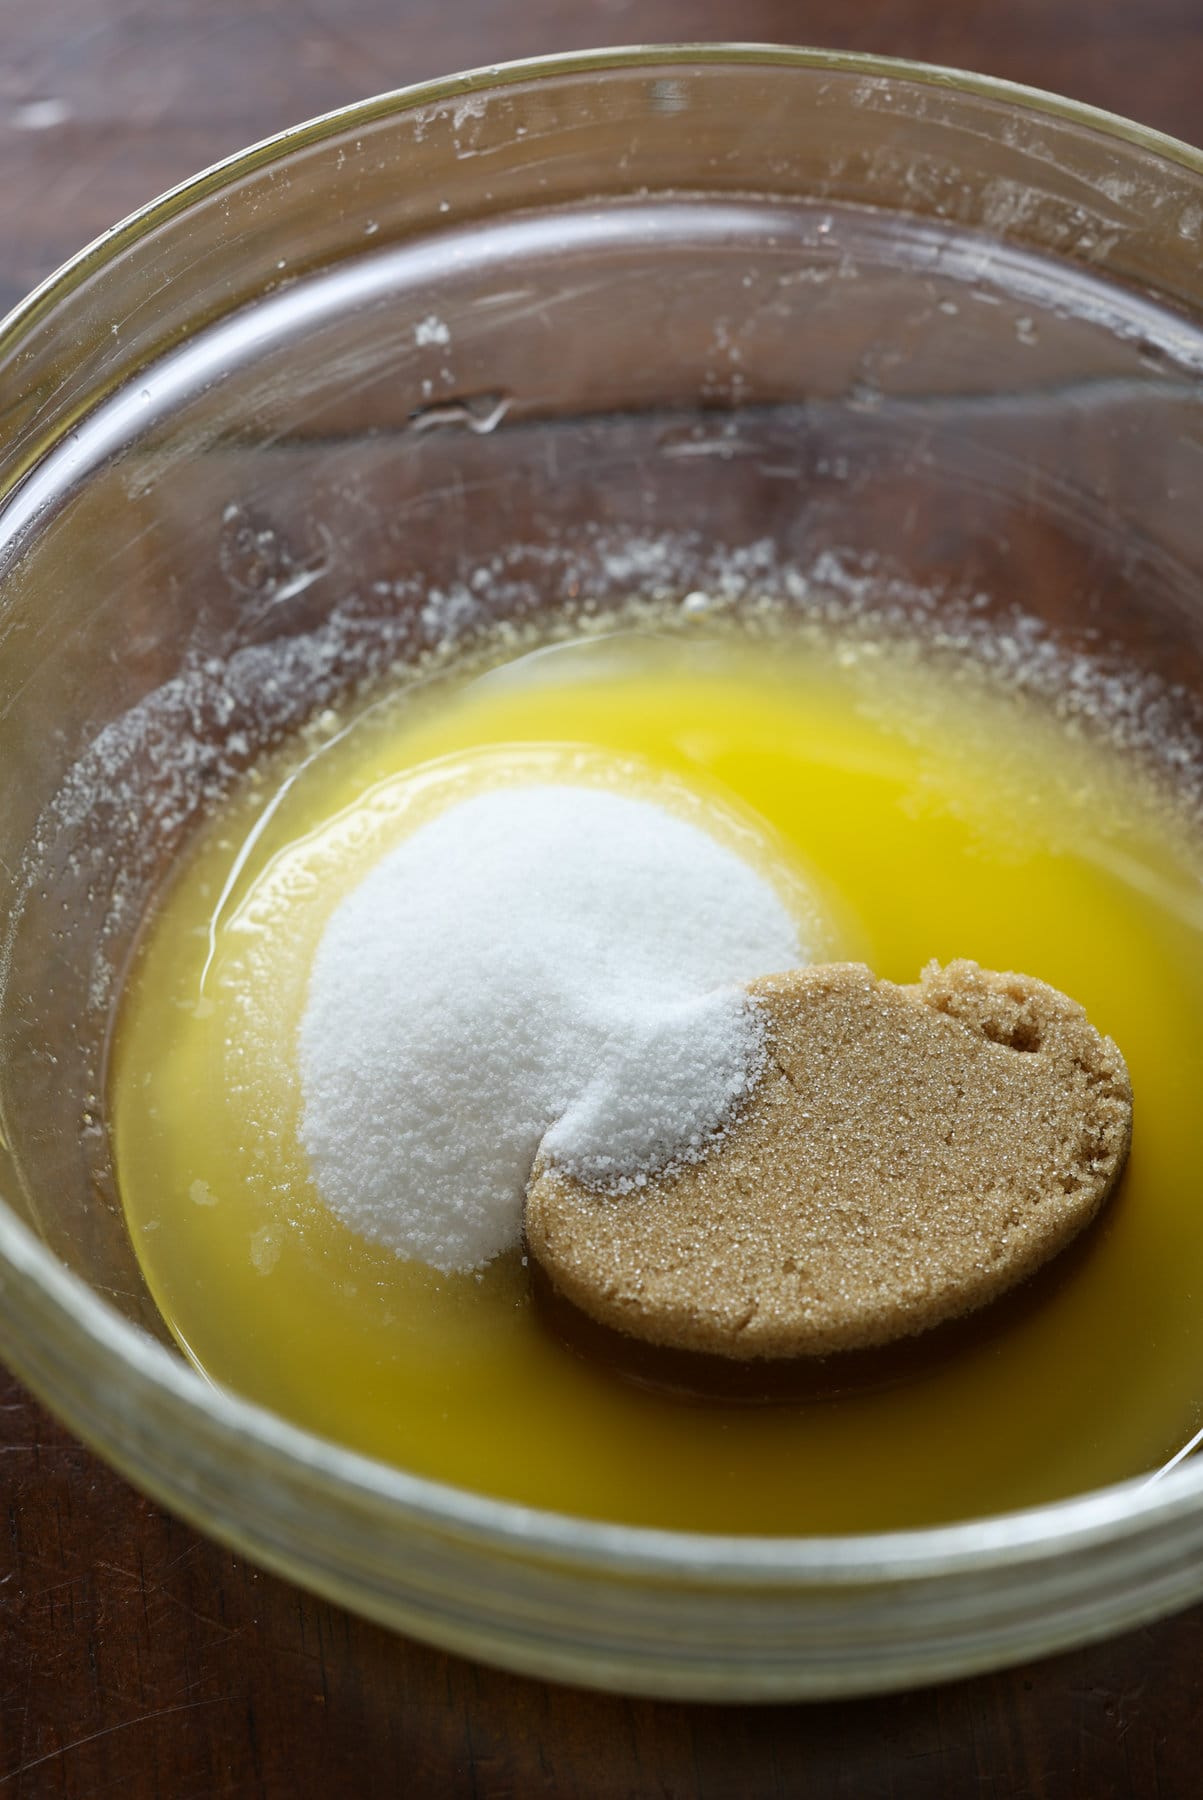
column 908, row 1154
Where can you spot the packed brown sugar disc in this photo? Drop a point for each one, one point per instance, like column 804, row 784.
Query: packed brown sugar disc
column 906, row 1155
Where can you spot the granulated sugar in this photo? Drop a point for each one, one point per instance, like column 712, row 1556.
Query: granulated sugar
column 548, row 965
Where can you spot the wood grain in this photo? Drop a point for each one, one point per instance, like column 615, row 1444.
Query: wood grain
column 137, row 1657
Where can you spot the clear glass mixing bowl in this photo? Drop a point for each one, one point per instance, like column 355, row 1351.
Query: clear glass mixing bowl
column 514, row 342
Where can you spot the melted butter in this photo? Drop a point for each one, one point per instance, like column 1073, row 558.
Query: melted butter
column 936, row 817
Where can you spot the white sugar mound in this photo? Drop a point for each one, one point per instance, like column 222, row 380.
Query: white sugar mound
column 546, row 965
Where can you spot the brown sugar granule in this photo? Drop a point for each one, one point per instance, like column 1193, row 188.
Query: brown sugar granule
column 907, row 1154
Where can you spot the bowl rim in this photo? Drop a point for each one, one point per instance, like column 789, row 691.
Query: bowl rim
column 92, row 1333
column 92, row 256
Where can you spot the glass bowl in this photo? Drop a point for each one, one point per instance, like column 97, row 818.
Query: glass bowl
column 670, row 320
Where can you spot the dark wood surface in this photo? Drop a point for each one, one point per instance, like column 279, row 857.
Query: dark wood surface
column 136, row 1657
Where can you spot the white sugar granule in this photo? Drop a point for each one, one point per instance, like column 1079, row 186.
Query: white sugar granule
column 546, row 965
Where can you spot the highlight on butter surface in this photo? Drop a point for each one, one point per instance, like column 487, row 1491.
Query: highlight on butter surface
column 526, row 909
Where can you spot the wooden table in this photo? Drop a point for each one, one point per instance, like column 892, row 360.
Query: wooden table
column 138, row 1658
